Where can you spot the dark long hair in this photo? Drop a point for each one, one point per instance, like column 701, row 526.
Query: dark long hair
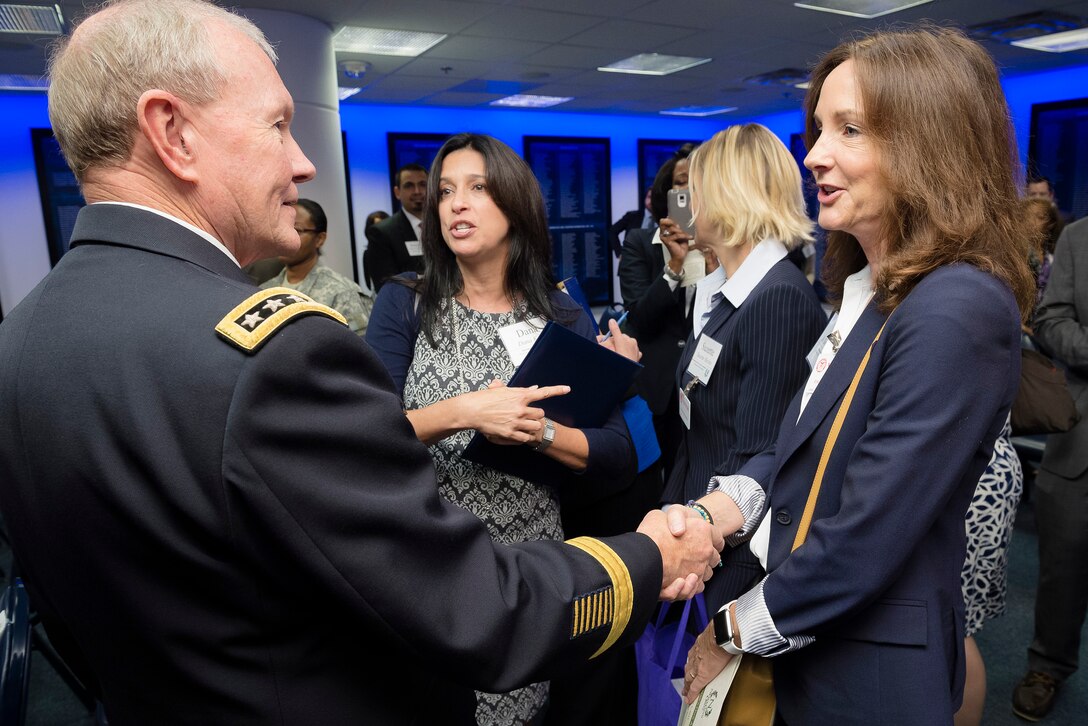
column 528, row 278
column 659, row 190
column 937, row 114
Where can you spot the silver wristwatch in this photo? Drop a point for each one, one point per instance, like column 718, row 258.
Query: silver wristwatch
column 674, row 276
column 548, row 437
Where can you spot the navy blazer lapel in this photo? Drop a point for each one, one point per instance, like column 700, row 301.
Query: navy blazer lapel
column 834, row 383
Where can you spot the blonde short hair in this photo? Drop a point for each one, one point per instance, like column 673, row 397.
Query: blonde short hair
column 98, row 74
column 749, row 187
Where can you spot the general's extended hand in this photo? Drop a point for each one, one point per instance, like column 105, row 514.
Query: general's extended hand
column 687, row 557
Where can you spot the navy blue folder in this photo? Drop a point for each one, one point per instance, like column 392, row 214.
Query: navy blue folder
column 598, row 380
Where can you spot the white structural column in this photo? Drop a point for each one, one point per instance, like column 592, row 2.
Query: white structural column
column 307, row 65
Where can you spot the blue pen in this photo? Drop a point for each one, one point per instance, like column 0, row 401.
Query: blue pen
column 618, row 322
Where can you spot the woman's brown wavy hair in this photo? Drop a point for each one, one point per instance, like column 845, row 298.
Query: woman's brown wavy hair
column 936, row 112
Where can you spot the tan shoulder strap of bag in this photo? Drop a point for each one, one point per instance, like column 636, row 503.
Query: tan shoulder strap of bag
column 829, row 445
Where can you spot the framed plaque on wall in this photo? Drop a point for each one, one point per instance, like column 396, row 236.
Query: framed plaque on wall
column 575, row 175
column 410, row 149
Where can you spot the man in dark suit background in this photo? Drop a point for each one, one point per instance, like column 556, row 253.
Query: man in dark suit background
column 658, row 302
column 240, row 522
column 635, row 219
column 1061, row 491
column 393, row 244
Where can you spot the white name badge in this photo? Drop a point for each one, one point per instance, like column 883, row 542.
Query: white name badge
column 519, row 337
column 685, row 409
column 414, row 247
column 705, row 357
column 818, row 346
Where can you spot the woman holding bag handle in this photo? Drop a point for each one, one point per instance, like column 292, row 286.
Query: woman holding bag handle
column 858, row 510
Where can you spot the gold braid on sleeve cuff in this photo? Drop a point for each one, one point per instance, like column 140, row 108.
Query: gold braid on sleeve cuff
column 611, row 605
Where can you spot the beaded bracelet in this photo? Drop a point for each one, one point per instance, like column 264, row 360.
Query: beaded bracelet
column 701, row 511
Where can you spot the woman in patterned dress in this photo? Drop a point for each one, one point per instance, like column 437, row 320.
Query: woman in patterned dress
column 984, row 578
column 487, row 254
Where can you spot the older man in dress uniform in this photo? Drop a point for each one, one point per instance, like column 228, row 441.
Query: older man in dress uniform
column 221, row 512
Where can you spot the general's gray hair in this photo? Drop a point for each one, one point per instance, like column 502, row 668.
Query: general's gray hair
column 98, row 74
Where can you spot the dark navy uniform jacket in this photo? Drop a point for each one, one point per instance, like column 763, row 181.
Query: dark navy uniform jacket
column 223, row 515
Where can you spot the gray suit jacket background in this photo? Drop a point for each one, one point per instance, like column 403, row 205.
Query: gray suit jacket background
column 1061, row 328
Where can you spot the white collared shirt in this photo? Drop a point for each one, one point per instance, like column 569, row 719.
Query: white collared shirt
column 736, row 289
column 195, row 230
column 708, row 292
column 856, row 292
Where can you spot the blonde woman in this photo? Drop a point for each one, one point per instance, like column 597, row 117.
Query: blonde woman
column 754, row 319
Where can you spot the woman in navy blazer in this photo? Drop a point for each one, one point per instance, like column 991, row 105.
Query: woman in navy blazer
column 909, row 142
column 754, row 320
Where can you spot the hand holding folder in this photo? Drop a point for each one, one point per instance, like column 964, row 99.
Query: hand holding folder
column 598, row 379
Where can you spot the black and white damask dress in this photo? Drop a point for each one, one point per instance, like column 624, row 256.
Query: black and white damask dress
column 990, row 521
column 469, row 356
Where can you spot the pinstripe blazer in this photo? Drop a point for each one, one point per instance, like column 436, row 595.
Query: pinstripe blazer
column 734, row 417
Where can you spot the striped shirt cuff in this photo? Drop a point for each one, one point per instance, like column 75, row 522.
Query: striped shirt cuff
column 758, row 633
column 748, row 496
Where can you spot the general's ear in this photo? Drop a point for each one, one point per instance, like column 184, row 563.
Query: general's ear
column 164, row 122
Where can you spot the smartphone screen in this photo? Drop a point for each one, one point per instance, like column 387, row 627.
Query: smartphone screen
column 680, row 209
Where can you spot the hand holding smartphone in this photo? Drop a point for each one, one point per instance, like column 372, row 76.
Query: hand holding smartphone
column 680, row 209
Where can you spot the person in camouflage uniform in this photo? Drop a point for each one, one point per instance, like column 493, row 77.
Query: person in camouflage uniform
column 303, row 273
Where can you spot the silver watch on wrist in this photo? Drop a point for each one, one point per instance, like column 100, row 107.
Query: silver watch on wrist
column 723, row 631
column 548, row 437
column 674, row 276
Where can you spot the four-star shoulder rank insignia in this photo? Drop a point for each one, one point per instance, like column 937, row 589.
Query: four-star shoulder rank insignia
column 609, row 605
column 261, row 314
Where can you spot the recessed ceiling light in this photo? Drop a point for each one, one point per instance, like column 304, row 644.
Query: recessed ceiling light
column 860, row 8
column 653, row 64
column 1056, row 42
column 343, row 92
column 780, row 77
column 31, row 19
column 379, row 41
column 528, row 100
column 698, row 110
column 1049, row 31
column 22, row 82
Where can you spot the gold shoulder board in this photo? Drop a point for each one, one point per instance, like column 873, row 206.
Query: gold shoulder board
column 261, row 314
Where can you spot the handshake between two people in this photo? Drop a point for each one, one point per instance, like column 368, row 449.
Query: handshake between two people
column 690, row 545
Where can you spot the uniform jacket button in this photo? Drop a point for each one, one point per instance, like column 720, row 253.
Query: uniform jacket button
column 783, row 517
